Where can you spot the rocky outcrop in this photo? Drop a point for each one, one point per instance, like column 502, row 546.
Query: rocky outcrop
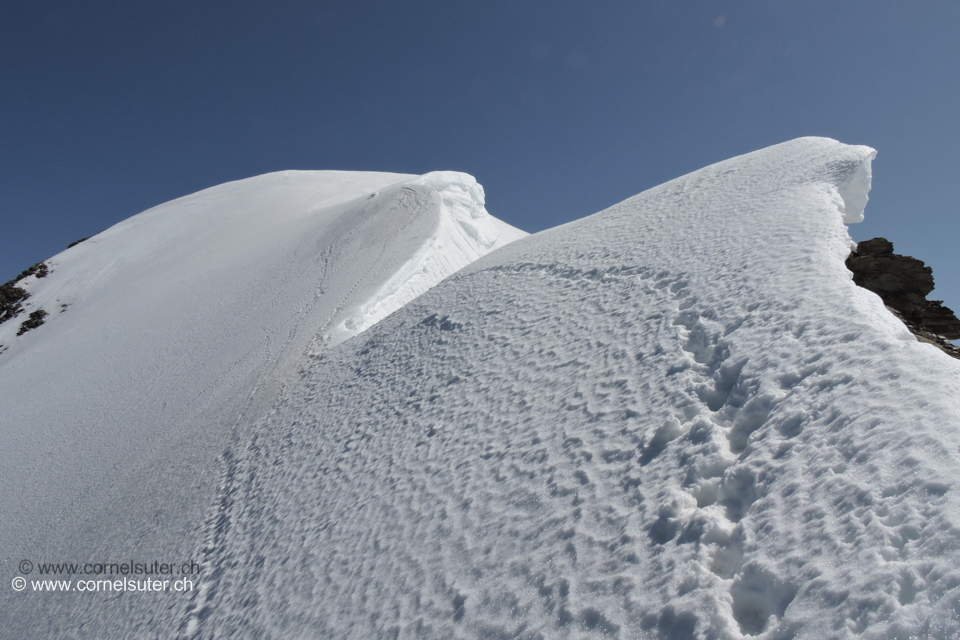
column 33, row 321
column 11, row 299
column 12, row 296
column 903, row 282
column 39, row 270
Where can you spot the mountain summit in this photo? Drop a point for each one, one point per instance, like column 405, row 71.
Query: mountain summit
column 170, row 333
column 676, row 418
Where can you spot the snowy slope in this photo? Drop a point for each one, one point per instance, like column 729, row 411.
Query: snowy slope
column 677, row 418
column 171, row 331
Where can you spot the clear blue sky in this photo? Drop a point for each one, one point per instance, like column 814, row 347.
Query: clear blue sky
column 559, row 108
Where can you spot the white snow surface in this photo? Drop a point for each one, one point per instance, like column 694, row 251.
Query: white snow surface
column 172, row 330
column 676, row 418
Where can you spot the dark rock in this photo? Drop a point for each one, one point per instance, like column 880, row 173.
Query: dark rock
column 876, row 247
column 902, row 283
column 12, row 296
column 940, row 320
column 33, row 321
column 76, row 242
column 39, row 270
column 928, row 336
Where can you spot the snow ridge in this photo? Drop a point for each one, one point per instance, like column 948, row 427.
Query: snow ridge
column 465, row 232
column 170, row 334
column 677, row 418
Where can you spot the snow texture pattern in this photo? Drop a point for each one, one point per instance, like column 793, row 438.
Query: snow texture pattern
column 169, row 335
column 677, row 418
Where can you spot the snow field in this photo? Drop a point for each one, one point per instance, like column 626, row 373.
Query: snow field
column 174, row 331
column 676, row 418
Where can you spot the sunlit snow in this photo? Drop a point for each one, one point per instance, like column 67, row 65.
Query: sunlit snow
column 171, row 332
column 676, row 418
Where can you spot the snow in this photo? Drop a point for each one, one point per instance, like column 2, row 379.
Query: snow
column 466, row 232
column 854, row 191
column 676, row 418
column 174, row 329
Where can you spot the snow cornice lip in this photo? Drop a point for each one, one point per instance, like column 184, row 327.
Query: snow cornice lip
column 855, row 190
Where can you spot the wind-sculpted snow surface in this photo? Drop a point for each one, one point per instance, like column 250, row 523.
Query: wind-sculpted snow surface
column 168, row 335
column 677, row 418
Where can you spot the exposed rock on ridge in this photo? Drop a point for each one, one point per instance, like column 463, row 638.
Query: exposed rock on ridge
column 12, row 296
column 903, row 282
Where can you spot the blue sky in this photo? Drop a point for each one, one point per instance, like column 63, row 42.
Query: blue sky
column 559, row 108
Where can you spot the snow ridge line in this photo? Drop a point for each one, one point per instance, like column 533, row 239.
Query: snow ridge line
column 407, row 194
